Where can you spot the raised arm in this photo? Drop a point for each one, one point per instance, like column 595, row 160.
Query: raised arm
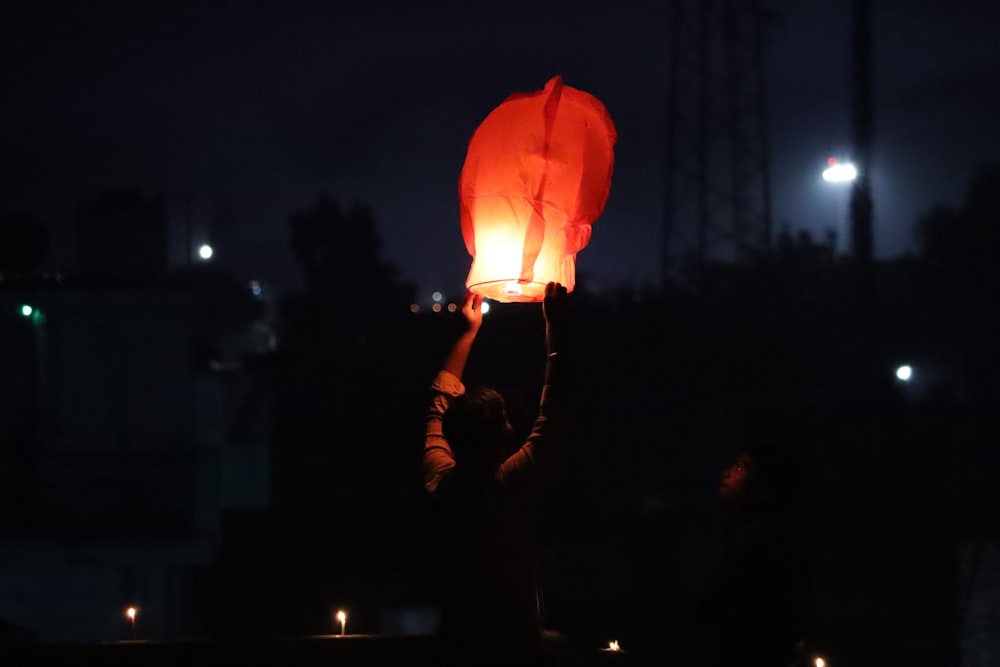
column 438, row 457
column 549, row 430
column 472, row 312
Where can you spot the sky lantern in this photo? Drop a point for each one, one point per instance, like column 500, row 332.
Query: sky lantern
column 536, row 176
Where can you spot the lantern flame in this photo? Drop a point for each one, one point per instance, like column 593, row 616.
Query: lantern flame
column 613, row 645
column 130, row 612
column 536, row 176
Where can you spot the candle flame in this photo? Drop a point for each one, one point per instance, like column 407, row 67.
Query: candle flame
column 512, row 288
column 130, row 612
column 613, row 645
column 820, row 662
column 341, row 616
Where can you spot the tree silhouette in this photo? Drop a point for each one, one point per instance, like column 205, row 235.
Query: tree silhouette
column 965, row 242
column 338, row 251
column 959, row 248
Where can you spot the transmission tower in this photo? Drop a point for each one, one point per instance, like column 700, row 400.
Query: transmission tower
column 718, row 202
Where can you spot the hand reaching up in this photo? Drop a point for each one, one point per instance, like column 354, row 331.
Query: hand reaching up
column 472, row 311
column 554, row 306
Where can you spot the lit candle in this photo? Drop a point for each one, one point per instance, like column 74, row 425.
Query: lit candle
column 130, row 613
column 613, row 645
column 342, row 617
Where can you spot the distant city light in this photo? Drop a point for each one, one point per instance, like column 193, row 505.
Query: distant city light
column 486, row 307
column 839, row 172
column 414, row 308
column 437, row 296
column 27, row 310
column 205, row 251
column 452, row 307
column 904, row 373
column 436, row 307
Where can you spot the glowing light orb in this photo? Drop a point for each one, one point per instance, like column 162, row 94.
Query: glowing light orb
column 839, row 172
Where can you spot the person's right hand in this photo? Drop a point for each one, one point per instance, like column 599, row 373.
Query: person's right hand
column 554, row 305
column 472, row 311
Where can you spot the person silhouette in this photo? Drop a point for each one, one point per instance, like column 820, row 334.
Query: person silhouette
column 484, row 485
column 757, row 605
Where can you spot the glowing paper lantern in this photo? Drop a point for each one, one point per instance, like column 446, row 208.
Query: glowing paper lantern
column 536, row 176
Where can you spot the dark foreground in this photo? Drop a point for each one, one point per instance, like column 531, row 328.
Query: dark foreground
column 328, row 651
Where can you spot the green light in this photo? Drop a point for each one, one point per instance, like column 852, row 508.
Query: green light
column 27, row 310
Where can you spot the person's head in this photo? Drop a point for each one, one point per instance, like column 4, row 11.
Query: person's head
column 477, row 428
column 761, row 477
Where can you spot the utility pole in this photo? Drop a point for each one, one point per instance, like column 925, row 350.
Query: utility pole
column 861, row 196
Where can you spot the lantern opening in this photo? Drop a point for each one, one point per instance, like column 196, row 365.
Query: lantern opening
column 510, row 291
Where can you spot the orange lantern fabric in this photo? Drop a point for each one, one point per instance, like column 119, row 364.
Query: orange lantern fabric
column 537, row 174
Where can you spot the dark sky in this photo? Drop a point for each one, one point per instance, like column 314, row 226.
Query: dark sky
column 257, row 108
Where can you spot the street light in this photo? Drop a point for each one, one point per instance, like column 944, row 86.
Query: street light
column 839, row 172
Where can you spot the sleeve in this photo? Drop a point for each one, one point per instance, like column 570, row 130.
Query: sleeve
column 438, row 457
column 547, row 436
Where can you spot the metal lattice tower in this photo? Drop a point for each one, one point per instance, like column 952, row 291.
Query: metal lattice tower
column 718, row 202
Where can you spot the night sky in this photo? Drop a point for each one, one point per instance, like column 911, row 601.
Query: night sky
column 255, row 109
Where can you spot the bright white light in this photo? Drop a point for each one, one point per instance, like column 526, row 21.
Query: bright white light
column 840, row 173
column 130, row 612
column 27, row 310
column 904, row 373
column 486, row 307
column 205, row 251
column 820, row 662
column 437, row 296
column 512, row 288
